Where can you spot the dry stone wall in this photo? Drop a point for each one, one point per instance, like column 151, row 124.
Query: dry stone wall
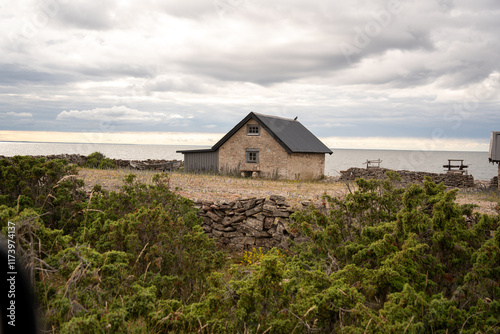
column 80, row 160
column 265, row 222
column 449, row 179
column 247, row 223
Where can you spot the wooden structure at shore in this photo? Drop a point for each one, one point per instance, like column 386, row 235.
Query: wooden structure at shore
column 494, row 154
column 371, row 163
column 455, row 168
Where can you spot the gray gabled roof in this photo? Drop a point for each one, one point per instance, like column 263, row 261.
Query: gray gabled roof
column 289, row 133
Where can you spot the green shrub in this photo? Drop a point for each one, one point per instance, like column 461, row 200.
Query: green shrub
column 99, row 161
column 27, row 181
column 381, row 260
column 82, row 325
column 412, row 253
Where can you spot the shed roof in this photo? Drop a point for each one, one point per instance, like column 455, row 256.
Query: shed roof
column 494, row 155
column 289, row 133
column 202, row 150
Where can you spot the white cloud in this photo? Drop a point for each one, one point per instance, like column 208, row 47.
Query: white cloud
column 117, row 114
column 16, row 114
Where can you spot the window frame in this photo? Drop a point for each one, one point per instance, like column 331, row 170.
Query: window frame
column 253, row 126
column 248, row 153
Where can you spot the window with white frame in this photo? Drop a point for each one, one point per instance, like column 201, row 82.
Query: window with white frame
column 253, row 130
column 252, row 155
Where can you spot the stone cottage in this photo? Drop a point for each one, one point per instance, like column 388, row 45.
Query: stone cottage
column 263, row 145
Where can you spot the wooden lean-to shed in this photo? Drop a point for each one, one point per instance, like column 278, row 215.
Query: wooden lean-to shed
column 263, row 145
column 201, row 160
column 494, row 154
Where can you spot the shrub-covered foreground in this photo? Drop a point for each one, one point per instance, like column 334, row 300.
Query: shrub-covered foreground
column 381, row 260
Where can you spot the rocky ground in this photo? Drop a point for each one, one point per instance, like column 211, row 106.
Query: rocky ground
column 221, row 188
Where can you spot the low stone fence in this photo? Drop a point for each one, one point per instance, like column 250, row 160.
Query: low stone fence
column 265, row 222
column 76, row 159
column 247, row 223
column 80, row 160
column 449, row 179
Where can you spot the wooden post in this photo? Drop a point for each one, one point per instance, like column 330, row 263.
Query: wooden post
column 498, row 180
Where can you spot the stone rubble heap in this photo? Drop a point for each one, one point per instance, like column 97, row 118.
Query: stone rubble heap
column 449, row 179
column 80, row 160
column 247, row 223
column 76, row 159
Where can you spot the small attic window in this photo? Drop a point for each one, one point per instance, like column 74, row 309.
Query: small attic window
column 253, row 130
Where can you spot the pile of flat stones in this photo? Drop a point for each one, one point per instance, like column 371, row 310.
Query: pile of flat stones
column 76, row 159
column 80, row 160
column 248, row 223
column 452, row 179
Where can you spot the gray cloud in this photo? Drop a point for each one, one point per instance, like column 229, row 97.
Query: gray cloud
column 87, row 14
column 12, row 74
column 345, row 68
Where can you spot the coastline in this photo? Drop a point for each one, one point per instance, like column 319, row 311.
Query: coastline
column 340, row 160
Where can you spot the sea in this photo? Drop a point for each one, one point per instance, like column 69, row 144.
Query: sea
column 341, row 159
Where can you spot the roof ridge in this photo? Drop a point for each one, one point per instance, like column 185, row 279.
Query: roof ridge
column 272, row 116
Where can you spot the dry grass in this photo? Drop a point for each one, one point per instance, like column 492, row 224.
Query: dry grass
column 487, row 199
column 226, row 188
column 111, row 179
column 220, row 188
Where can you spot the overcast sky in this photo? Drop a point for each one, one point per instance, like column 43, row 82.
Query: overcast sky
column 376, row 74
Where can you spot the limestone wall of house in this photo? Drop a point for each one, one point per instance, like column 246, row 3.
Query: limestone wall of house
column 306, row 166
column 273, row 158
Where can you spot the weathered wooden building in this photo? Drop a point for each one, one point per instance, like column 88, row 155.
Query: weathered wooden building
column 494, row 154
column 263, row 145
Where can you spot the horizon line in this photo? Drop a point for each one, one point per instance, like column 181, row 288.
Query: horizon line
column 209, row 139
